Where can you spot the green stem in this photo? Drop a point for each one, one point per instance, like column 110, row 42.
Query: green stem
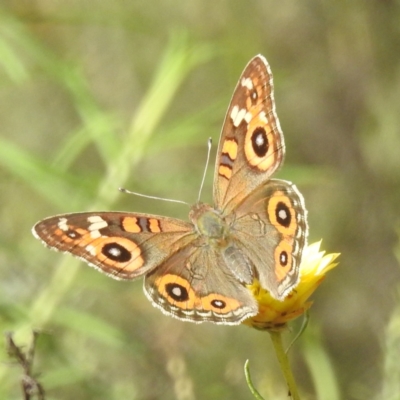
column 283, row 360
column 249, row 381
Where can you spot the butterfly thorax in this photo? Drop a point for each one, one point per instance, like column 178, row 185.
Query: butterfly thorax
column 209, row 223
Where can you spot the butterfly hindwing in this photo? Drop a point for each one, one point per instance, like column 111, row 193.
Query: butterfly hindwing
column 196, row 285
column 270, row 230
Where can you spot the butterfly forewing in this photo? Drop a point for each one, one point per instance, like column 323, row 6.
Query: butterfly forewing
column 122, row 245
column 251, row 146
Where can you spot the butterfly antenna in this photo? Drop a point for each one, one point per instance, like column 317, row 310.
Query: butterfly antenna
column 123, row 190
column 209, row 144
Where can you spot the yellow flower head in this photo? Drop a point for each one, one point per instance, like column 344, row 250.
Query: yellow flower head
column 274, row 314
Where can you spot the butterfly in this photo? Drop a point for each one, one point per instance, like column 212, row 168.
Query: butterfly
column 199, row 270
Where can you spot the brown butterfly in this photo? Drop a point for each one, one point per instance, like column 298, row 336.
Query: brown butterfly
column 198, row 271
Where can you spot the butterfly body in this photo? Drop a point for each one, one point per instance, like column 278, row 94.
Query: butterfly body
column 208, row 222
column 198, row 271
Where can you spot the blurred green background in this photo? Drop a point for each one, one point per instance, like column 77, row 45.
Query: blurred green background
column 98, row 94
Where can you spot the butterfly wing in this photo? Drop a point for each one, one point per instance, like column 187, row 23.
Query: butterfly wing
column 122, row 245
column 196, row 285
column 270, row 231
column 251, row 146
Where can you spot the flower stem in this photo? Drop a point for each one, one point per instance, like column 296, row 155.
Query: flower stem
column 283, row 360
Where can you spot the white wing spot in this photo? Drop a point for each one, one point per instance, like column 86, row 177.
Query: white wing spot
column 177, row 291
column 96, row 223
column 260, row 140
column 282, row 214
column 263, row 117
column 239, row 117
column 234, row 113
column 95, row 234
column 62, row 224
column 247, row 82
column 95, row 218
column 114, row 251
column 91, row 249
column 248, row 117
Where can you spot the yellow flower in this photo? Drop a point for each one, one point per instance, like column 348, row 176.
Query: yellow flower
column 274, row 314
